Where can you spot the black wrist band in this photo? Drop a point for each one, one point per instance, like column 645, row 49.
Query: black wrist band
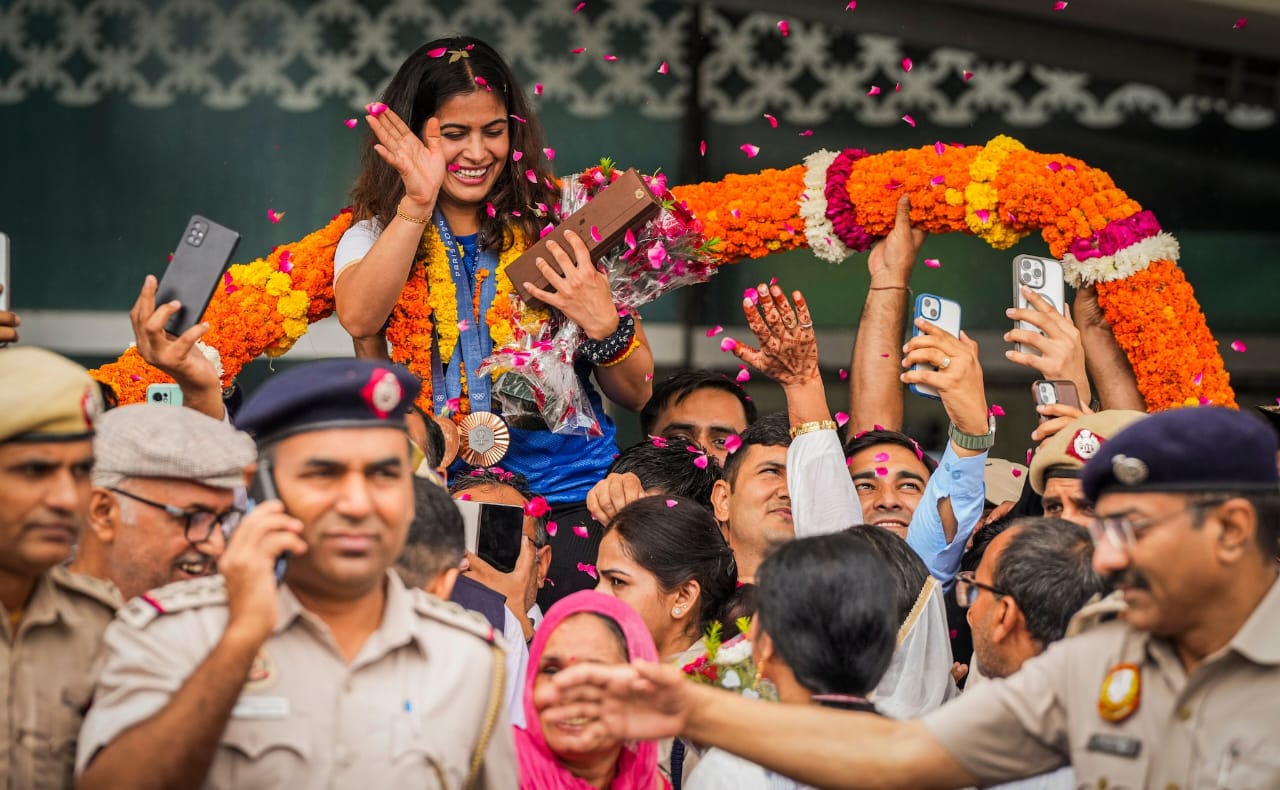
column 600, row 352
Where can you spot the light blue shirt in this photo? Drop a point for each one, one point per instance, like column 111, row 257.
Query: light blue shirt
column 960, row 479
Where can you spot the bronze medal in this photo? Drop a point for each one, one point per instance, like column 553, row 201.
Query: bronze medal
column 451, row 439
column 484, row 438
column 1121, row 693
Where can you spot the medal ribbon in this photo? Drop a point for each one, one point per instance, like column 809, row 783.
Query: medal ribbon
column 474, row 341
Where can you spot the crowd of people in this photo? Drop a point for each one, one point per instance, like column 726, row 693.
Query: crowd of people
column 296, row 591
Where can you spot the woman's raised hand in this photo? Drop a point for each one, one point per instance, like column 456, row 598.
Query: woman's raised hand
column 788, row 351
column 421, row 166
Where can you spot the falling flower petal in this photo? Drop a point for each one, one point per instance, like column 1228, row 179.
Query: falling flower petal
column 663, row 68
column 552, row 528
column 783, row 27
column 997, row 410
column 841, row 419
column 453, row 167
column 715, row 330
column 532, row 176
column 376, row 109
column 743, row 376
column 465, row 497
column 937, row 181
column 648, row 377
column 874, row 90
column 611, row 58
column 728, row 344
column 438, row 52
column 844, row 374
column 588, row 569
column 537, row 507
column 1016, row 472
column 701, row 461
column 702, row 148
column 1199, row 377
column 910, row 121
column 1060, row 5
column 750, row 295
column 984, row 216
column 285, row 263
column 490, row 210
column 453, row 404
column 537, row 89
column 517, row 155
column 550, row 152
column 658, row 441
column 578, row 7
column 939, row 148
column 1054, row 166
column 581, row 531
column 772, row 121
column 1239, row 346
column 463, row 325
column 672, row 503
column 807, row 133
column 933, row 263
column 542, row 234
column 882, row 458
column 882, row 471
column 630, row 239
column 481, row 81
column 274, row 216
column 595, row 234
column 350, row 123
column 578, row 50
column 897, row 87
column 749, row 149
column 893, row 184
column 906, row 64
column 852, row 6
column 732, row 443
column 968, row 75
column 1240, row 23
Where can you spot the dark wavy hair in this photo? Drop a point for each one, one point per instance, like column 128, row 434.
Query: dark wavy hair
column 416, row 92
column 680, row 544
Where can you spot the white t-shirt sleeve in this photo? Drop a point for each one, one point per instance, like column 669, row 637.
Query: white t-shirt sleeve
column 355, row 244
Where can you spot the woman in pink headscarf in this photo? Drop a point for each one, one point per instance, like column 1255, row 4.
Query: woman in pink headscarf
column 584, row 626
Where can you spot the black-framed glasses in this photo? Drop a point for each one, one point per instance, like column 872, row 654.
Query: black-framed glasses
column 1122, row 531
column 967, row 589
column 197, row 524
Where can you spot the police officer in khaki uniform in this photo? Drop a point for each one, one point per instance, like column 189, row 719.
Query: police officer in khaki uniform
column 51, row 621
column 1055, row 468
column 339, row 676
column 1180, row 692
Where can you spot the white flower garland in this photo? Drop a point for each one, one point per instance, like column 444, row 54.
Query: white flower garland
column 819, row 231
column 1124, row 263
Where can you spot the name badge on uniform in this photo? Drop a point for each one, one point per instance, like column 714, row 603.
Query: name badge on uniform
column 253, row 707
column 1118, row 745
column 1121, row 693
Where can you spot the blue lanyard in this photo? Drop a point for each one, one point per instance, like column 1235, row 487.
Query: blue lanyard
column 474, row 341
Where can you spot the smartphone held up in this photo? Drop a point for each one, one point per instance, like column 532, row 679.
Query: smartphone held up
column 942, row 313
column 201, row 257
column 1045, row 277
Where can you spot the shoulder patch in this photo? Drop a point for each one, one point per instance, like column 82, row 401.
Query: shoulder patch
column 100, row 590
column 176, row 597
column 451, row 614
column 1095, row 613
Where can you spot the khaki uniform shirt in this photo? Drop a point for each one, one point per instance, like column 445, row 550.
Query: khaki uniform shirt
column 1218, row 727
column 47, row 671
column 407, row 712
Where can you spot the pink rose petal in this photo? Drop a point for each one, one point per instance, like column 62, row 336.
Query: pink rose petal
column 702, row 148
column 882, row 471
column 1061, row 5
column 453, row 404
column 772, row 121
column 997, row 410
column 490, row 210
column 552, row 528
column 715, row 330
column 274, row 216
column 749, row 149
column 882, row 458
column 897, row 87
column 350, row 123
column 910, row 121
column 807, row 133
column 732, row 443
column 1239, row 346
column 784, row 28
column 588, row 569
column 517, row 155
column 285, row 264
column 939, row 148
column 968, row 75
column 844, row 374
column 1199, row 378
column 578, row 7
column 532, row 176
column 453, row 167
column 546, row 229
column 537, row 507
column 550, row 152
column 874, row 90
column 578, row 50
column 595, row 234
column 664, row 68
column 1240, row 23
column 841, row 419
column 537, row 89
column 375, row 109
column 658, row 441
column 743, row 376
column 630, row 239
column 464, row 497
column 751, row 295
column 937, row 181
column 671, row 503
column 728, row 344
column 581, row 531
column 906, row 64
column 933, row 263
column 1016, row 472
column 984, row 216
column 438, row 52
column 852, row 6
column 611, row 58
column 700, row 461
column 482, row 82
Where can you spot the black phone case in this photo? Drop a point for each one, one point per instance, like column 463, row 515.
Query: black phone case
column 499, row 540
column 195, row 270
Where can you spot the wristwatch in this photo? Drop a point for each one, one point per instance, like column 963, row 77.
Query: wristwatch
column 970, row 442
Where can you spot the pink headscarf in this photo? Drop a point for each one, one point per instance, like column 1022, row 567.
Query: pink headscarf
column 539, row 767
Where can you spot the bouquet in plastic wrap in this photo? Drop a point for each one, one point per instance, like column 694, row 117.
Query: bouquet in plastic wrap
column 538, row 381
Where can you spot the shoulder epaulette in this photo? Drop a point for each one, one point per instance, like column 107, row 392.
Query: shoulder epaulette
column 1096, row 612
column 176, row 597
column 100, row 590
column 451, row 614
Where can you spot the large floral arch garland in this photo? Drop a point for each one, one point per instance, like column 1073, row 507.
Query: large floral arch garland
column 836, row 203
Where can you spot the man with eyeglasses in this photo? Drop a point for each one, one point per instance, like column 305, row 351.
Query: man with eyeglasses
column 163, row 501
column 51, row 620
column 1180, row 692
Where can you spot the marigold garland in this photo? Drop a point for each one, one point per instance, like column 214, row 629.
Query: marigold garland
column 999, row 192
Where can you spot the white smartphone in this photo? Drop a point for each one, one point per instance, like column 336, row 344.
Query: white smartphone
column 1044, row 276
column 4, row 272
column 942, row 313
column 164, row 394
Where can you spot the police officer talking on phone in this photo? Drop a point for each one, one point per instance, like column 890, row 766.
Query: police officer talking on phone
column 338, row 676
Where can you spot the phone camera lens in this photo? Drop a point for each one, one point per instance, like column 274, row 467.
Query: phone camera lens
column 158, row 397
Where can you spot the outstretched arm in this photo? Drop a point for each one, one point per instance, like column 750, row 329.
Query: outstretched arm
column 875, row 394
column 1113, row 379
column 179, row 358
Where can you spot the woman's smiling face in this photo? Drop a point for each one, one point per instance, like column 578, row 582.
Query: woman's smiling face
column 476, row 141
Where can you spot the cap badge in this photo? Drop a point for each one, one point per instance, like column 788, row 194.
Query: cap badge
column 1084, row 445
column 1129, row 471
column 383, row 393
column 1121, row 693
column 91, row 405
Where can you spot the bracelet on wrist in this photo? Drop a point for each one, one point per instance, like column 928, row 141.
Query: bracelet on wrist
column 635, row 343
column 409, row 217
column 810, row 427
column 612, row 349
